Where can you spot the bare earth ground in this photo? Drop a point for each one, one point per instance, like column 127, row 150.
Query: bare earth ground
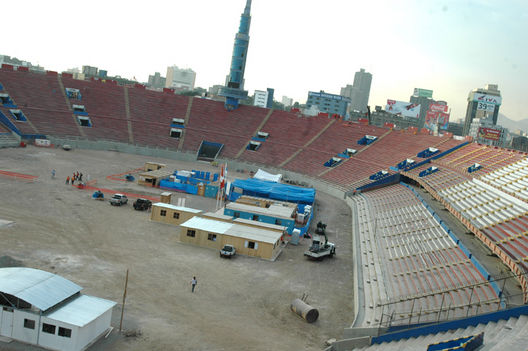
column 240, row 304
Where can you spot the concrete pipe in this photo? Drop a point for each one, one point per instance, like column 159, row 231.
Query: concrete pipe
column 307, row 312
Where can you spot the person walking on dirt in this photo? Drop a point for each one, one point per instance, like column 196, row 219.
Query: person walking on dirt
column 193, row 283
column 68, row 180
column 53, row 174
column 80, row 177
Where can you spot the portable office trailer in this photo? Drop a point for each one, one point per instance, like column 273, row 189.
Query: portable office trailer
column 153, row 178
column 153, row 166
column 274, row 214
column 247, row 240
column 171, row 214
column 263, row 202
column 44, row 309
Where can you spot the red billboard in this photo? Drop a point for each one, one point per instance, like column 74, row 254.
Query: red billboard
column 438, row 108
column 489, row 133
column 431, row 121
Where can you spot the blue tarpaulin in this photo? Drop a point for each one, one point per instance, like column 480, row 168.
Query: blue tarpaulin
column 272, row 190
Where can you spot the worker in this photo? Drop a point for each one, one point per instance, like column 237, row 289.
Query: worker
column 68, row 180
column 53, row 174
column 193, row 283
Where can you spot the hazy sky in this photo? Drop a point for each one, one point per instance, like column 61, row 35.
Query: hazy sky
column 448, row 46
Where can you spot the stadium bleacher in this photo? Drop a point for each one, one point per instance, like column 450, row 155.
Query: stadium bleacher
column 409, row 261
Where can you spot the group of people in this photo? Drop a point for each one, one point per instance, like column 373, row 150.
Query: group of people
column 75, row 177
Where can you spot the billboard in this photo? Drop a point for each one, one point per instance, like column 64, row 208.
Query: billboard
column 489, row 133
column 435, row 120
column 486, row 102
column 402, row 108
column 431, row 121
column 438, row 107
column 423, row 93
column 443, row 120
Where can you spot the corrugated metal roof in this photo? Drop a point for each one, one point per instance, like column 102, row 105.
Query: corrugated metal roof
column 206, row 224
column 260, row 224
column 39, row 288
column 177, row 208
column 253, row 233
column 272, row 211
column 157, row 173
column 218, row 216
column 82, row 310
column 236, row 230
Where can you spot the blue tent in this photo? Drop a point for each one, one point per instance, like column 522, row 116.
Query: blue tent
column 272, row 190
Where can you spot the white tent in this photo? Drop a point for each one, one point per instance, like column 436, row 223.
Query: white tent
column 263, row 175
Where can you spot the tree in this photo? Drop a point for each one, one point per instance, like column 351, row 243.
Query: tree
column 196, row 92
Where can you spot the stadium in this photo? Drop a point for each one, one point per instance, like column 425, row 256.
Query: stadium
column 430, row 231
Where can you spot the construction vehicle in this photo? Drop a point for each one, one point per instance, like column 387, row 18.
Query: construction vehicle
column 320, row 246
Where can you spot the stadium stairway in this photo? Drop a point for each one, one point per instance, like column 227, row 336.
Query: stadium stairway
column 68, row 104
column 127, row 115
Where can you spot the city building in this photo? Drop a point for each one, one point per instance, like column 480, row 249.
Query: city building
column 483, row 103
column 263, row 98
column 214, row 91
column 156, row 81
column 484, row 131
column 424, row 98
column 15, row 62
column 520, row 143
column 90, row 71
column 359, row 92
column 260, row 98
column 328, row 103
column 234, row 88
column 286, row 101
column 180, row 78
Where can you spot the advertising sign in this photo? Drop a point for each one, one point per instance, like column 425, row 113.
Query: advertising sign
column 443, row 120
column 438, row 107
column 423, row 93
column 402, row 108
column 489, row 133
column 486, row 102
column 431, row 121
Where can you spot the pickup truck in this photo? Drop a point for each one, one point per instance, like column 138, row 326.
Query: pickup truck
column 227, row 251
column 118, row 200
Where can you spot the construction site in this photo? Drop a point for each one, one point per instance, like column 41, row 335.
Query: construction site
column 238, row 304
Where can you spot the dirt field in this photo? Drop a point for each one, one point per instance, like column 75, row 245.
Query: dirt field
column 240, row 304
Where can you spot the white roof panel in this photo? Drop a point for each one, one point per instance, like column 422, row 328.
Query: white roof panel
column 236, row 230
column 81, row 310
column 253, row 233
column 274, row 210
column 39, row 288
column 177, row 208
column 210, row 225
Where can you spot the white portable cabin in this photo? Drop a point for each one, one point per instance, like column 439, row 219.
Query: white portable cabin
column 44, row 309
